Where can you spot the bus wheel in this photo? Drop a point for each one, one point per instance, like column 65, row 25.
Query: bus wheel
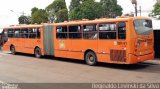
column 91, row 58
column 37, row 53
column 13, row 50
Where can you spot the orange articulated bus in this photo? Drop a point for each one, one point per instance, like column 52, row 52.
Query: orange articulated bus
column 119, row 40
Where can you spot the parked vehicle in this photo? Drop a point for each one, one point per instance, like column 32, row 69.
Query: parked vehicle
column 126, row 40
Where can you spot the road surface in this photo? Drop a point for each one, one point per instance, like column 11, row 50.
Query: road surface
column 24, row 68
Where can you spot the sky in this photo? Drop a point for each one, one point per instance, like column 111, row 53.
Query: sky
column 10, row 10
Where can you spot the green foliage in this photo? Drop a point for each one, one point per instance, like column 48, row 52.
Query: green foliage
column 74, row 13
column 74, row 4
column 79, row 9
column 24, row 19
column 111, row 8
column 58, row 9
column 156, row 10
column 86, row 9
column 34, row 9
column 90, row 9
column 61, row 15
column 39, row 16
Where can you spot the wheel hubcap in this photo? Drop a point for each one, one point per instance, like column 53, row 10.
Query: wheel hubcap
column 12, row 50
column 37, row 52
column 91, row 58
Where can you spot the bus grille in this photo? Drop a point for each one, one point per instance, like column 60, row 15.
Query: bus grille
column 118, row 55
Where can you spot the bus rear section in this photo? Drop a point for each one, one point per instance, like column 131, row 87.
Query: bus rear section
column 142, row 41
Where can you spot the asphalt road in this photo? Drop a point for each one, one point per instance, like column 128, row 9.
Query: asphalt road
column 24, row 68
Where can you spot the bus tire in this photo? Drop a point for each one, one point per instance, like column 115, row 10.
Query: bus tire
column 37, row 52
column 13, row 50
column 91, row 58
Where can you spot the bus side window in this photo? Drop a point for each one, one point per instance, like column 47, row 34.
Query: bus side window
column 10, row 33
column 17, row 33
column 38, row 33
column 5, row 33
column 24, row 33
column 90, row 31
column 107, row 31
column 75, row 32
column 121, row 30
column 61, row 32
column 32, row 33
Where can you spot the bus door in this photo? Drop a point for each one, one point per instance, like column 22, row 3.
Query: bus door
column 75, row 42
column 24, row 38
column 61, row 42
column 17, row 41
column 31, row 42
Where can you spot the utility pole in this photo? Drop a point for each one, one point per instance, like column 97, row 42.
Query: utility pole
column 135, row 5
column 140, row 10
column 23, row 15
column 14, row 13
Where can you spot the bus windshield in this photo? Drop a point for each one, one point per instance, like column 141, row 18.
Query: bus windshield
column 143, row 26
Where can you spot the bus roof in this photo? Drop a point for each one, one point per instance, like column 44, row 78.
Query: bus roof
column 23, row 26
column 75, row 22
column 101, row 20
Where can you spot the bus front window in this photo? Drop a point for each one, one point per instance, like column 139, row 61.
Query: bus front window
column 143, row 26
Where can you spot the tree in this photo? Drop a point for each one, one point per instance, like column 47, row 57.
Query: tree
column 86, row 9
column 74, row 4
column 90, row 10
column 58, row 9
column 34, row 9
column 24, row 19
column 74, row 10
column 111, row 8
column 39, row 16
column 156, row 10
